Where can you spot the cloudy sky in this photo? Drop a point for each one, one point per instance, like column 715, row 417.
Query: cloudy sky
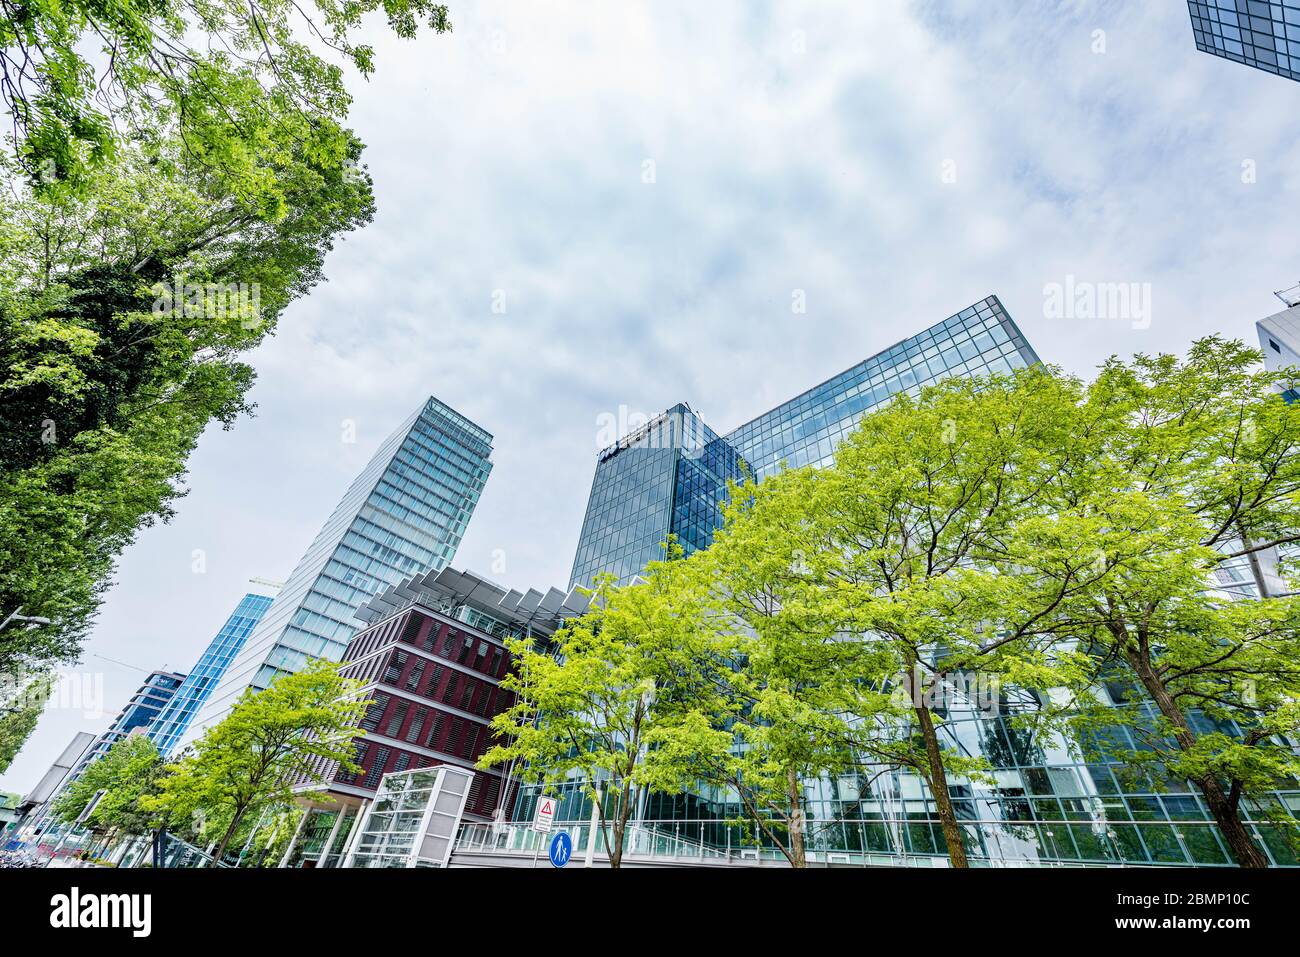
column 646, row 186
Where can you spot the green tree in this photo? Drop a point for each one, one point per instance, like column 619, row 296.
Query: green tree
column 775, row 716
column 107, row 378
column 265, row 749
column 129, row 774
column 21, row 705
column 919, row 555
column 233, row 81
column 1183, row 469
column 589, row 703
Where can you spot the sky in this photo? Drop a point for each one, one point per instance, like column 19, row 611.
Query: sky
column 648, row 189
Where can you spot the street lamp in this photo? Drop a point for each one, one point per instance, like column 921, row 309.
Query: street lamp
column 32, row 620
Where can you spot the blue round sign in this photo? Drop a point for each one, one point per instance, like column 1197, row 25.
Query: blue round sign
column 561, row 849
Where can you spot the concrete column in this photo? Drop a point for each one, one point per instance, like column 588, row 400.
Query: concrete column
column 358, row 825
column 334, row 831
column 293, row 841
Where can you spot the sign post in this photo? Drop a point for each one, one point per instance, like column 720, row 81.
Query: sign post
column 543, row 818
column 545, row 815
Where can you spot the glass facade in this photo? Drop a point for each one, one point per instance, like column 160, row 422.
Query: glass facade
column 1047, row 804
column 138, row 716
column 670, row 476
column 666, row 478
column 413, row 820
column 1264, row 34
column 167, row 729
column 404, row 514
column 981, row 338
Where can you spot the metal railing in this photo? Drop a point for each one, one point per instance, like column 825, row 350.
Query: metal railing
column 719, row 842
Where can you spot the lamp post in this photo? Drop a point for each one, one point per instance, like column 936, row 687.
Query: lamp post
column 32, row 620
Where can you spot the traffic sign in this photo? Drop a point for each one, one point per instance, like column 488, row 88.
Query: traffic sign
column 561, row 849
column 545, row 815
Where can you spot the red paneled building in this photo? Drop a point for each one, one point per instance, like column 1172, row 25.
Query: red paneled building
column 431, row 657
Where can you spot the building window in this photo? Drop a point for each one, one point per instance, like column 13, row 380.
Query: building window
column 395, row 665
column 413, row 680
column 434, row 727
column 377, row 769
column 375, row 712
column 435, row 679
column 358, row 758
column 417, row 725
column 395, row 722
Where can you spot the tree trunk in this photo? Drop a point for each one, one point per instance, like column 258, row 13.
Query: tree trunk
column 798, row 851
column 1243, row 848
column 220, row 851
column 937, row 776
column 622, row 811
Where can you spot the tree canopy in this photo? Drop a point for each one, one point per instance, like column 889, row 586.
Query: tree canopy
column 239, row 81
column 270, row 744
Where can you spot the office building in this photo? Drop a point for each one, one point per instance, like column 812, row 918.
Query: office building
column 1279, row 338
column 665, row 478
column 1264, row 34
column 34, row 807
column 135, row 717
column 404, row 514
column 138, row 716
column 175, row 718
column 431, row 657
column 668, row 477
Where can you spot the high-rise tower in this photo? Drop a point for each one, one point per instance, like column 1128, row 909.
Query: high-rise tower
column 404, row 514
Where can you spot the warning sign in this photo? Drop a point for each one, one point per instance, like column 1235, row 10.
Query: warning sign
column 545, row 815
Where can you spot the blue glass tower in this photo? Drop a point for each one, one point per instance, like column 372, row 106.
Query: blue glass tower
column 669, row 477
column 666, row 478
column 403, row 515
column 175, row 718
column 1264, row 34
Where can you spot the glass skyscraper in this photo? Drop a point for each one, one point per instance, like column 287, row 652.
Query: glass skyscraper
column 668, row 477
column 665, row 478
column 175, row 718
column 149, row 701
column 405, row 514
column 1264, row 34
